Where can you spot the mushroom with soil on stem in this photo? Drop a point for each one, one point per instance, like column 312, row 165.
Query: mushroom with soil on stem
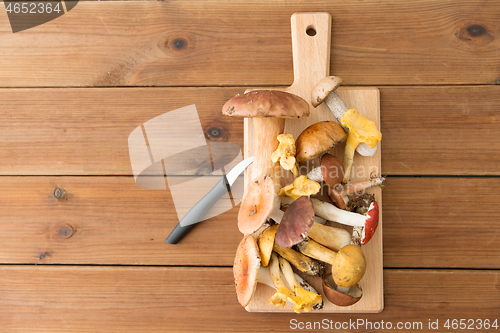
column 364, row 225
column 298, row 223
column 348, row 268
column 303, row 263
column 268, row 110
column 338, row 195
column 325, row 91
column 248, row 272
column 317, row 139
column 310, row 298
column 302, row 299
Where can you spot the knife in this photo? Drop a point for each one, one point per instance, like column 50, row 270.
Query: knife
column 200, row 209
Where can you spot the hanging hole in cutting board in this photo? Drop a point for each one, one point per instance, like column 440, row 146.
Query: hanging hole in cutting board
column 311, row 31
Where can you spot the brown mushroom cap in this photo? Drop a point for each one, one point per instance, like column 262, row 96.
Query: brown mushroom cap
column 317, row 139
column 246, row 269
column 349, row 266
column 256, row 205
column 323, row 88
column 266, row 103
column 296, row 222
column 332, row 293
column 332, row 170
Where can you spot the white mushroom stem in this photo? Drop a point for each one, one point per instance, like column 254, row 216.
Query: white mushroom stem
column 338, row 108
column 315, row 174
column 343, row 290
column 276, row 215
column 345, row 190
column 309, row 296
column 332, row 213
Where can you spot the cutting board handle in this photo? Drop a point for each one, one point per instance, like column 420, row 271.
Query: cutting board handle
column 311, row 35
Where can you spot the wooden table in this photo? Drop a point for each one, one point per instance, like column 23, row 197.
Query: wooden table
column 82, row 246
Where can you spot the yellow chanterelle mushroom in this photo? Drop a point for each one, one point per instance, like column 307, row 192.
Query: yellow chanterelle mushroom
column 360, row 130
column 285, row 153
column 301, row 186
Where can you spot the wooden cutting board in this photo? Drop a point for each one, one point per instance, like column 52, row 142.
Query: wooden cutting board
column 311, row 35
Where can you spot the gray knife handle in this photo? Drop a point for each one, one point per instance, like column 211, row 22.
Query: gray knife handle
column 198, row 211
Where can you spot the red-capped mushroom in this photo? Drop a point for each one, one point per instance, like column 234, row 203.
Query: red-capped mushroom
column 364, row 225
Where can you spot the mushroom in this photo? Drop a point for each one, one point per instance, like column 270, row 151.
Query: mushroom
column 248, row 271
column 335, row 295
column 360, row 130
column 338, row 195
column 268, row 108
column 298, row 223
column 303, row 302
column 301, row 262
column 348, row 264
column 265, row 241
column 317, row 139
column 325, row 91
column 364, row 225
column 330, row 171
column 301, row 186
column 310, row 298
column 257, row 204
column 285, row 153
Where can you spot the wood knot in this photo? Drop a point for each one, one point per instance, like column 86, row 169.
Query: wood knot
column 473, row 35
column 65, row 231
column 177, row 45
column 476, row 30
column 215, row 131
column 44, row 255
column 60, row 194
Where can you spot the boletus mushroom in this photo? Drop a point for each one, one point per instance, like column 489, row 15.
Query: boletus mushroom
column 325, row 91
column 268, row 110
column 317, row 139
column 348, row 268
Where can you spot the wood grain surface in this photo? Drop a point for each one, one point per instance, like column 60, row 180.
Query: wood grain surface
column 426, row 130
column 110, row 220
column 82, row 246
column 228, row 43
column 158, row 299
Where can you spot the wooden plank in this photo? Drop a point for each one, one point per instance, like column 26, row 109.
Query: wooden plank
column 157, row 299
column 85, row 131
column 428, row 222
column 426, row 130
column 429, row 219
column 440, row 130
column 200, row 43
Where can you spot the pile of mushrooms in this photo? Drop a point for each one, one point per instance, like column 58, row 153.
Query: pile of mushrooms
column 286, row 234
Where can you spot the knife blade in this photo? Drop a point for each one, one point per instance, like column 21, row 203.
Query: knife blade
column 200, row 209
